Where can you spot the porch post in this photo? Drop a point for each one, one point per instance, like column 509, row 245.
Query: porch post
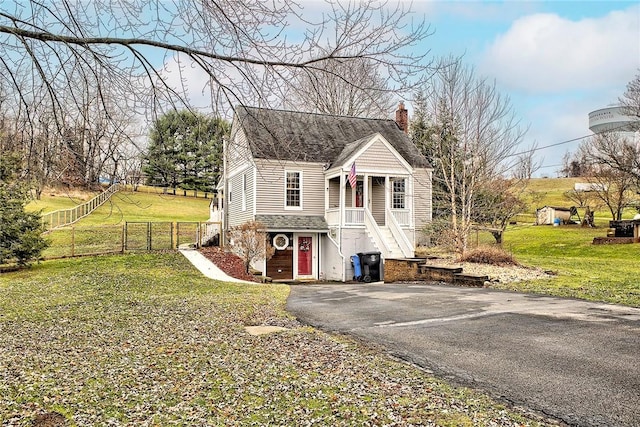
column 326, row 195
column 366, row 201
column 387, row 197
column 343, row 182
column 410, row 199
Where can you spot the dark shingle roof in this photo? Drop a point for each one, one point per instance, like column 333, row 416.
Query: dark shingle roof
column 321, row 138
column 293, row 222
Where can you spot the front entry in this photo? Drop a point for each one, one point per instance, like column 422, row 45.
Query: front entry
column 305, row 256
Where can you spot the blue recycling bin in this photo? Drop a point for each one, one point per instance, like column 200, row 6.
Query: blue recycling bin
column 357, row 269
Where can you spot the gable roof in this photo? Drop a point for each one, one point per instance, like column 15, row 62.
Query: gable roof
column 319, row 138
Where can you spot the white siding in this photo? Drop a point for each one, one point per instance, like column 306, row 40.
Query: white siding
column 422, row 202
column 238, row 154
column 270, row 190
column 378, row 201
column 236, row 215
column 379, row 158
column 334, row 194
column 332, row 263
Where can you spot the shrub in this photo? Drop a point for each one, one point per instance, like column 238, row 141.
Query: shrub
column 249, row 241
column 20, row 238
column 493, row 255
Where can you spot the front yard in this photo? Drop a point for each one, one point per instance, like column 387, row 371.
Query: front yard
column 145, row 340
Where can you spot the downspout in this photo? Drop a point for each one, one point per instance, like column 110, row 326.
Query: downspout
column 341, row 224
column 225, row 204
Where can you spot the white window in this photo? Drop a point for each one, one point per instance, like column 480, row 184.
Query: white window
column 293, row 190
column 397, row 200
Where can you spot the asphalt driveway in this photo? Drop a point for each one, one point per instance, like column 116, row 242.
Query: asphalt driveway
column 575, row 361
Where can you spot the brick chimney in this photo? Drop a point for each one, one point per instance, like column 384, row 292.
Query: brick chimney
column 402, row 117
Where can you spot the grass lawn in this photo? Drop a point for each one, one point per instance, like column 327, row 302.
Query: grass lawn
column 146, row 340
column 54, row 199
column 594, row 272
column 126, row 206
column 133, row 206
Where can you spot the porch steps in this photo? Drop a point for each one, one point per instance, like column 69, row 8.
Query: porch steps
column 394, row 248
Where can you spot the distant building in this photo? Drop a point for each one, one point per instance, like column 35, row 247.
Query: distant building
column 615, row 120
column 611, row 119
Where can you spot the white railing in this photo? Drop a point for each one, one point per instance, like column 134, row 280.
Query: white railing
column 332, row 216
column 372, row 226
column 398, row 233
column 402, row 216
column 354, row 216
column 64, row 217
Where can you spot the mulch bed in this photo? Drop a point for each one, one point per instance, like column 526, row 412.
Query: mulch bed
column 228, row 262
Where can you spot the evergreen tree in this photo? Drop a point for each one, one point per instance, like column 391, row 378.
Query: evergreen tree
column 20, row 231
column 185, row 151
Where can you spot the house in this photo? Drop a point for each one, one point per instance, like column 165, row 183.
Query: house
column 325, row 187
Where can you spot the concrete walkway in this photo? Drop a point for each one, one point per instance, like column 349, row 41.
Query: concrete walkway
column 208, row 268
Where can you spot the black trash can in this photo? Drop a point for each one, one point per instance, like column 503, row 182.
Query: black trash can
column 371, row 263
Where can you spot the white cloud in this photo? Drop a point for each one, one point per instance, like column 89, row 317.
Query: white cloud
column 546, row 53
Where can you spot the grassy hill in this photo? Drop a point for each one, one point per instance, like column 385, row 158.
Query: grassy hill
column 550, row 192
column 126, row 206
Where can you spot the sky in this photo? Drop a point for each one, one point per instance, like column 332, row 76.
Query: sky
column 556, row 60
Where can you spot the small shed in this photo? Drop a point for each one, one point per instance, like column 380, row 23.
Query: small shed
column 547, row 214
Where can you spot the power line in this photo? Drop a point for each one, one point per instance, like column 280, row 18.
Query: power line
column 567, row 141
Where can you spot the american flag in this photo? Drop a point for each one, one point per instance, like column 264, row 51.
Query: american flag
column 352, row 175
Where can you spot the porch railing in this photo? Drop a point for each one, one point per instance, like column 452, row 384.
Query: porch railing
column 332, row 216
column 352, row 216
column 401, row 238
column 402, row 216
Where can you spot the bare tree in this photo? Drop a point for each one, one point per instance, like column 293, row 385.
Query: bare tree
column 243, row 47
column 471, row 140
column 631, row 99
column 613, row 162
column 497, row 202
column 613, row 188
column 616, row 151
column 249, row 242
column 89, row 63
column 342, row 87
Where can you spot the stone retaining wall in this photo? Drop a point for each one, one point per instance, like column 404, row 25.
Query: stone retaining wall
column 412, row 269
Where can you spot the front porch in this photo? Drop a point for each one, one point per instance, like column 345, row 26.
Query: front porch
column 376, row 211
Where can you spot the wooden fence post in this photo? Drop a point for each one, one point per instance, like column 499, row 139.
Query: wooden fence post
column 73, row 241
column 122, row 241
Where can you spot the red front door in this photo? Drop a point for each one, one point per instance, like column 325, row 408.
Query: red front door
column 305, row 256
